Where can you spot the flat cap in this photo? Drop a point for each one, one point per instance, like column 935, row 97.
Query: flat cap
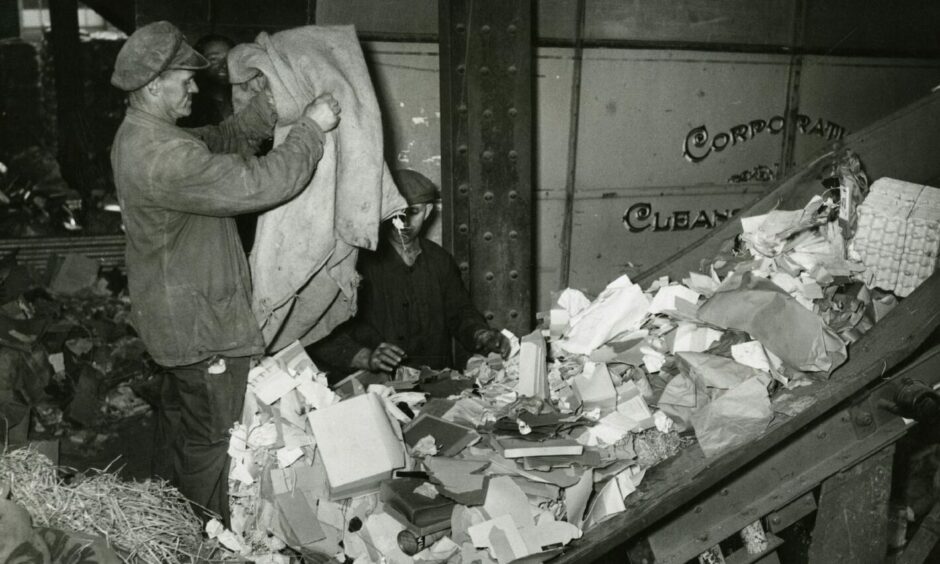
column 150, row 50
column 414, row 186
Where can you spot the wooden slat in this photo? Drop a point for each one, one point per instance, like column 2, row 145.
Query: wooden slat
column 35, row 252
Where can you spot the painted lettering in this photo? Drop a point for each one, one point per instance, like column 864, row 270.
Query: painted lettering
column 637, row 217
column 695, row 142
column 700, row 143
column 641, row 217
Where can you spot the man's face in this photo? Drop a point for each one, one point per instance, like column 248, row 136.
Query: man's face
column 176, row 91
column 215, row 52
column 412, row 219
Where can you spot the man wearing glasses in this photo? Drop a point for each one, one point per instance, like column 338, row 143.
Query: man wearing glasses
column 412, row 301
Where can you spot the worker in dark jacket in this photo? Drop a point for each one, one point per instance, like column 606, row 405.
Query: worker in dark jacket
column 412, row 301
column 187, row 273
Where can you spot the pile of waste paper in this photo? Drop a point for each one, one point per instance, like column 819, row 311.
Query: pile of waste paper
column 515, row 458
column 70, row 363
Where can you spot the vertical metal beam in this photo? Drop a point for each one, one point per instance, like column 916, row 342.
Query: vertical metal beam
column 66, row 54
column 486, row 53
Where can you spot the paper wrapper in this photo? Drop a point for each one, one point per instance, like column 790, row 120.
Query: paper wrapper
column 740, row 415
column 765, row 311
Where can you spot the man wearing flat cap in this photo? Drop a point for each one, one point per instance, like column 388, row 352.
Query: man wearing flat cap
column 179, row 190
column 412, row 301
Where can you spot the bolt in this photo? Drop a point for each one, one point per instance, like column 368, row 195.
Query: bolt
column 462, row 109
column 513, row 194
column 514, row 274
column 511, row 28
column 698, row 509
column 488, row 196
column 488, row 236
column 462, row 149
column 464, row 266
column 487, row 114
column 488, row 156
column 513, row 234
column 513, row 112
column 461, row 69
column 511, row 69
column 484, row 70
column 463, row 228
column 489, row 276
column 513, row 156
column 463, row 189
column 724, row 491
column 461, row 28
column 863, row 419
column 485, row 28
column 513, row 313
column 489, row 315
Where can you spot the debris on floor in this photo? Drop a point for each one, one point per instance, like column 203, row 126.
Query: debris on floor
column 70, row 363
column 143, row 522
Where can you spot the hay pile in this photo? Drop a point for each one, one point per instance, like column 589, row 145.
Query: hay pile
column 144, row 522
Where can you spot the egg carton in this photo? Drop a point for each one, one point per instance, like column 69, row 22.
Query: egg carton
column 898, row 235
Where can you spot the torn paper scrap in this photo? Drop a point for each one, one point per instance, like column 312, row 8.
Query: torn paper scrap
column 620, row 308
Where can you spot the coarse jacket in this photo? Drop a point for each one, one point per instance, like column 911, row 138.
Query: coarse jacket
column 179, row 190
column 422, row 308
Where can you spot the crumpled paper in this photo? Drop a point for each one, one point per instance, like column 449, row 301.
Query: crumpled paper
column 765, row 311
column 620, row 308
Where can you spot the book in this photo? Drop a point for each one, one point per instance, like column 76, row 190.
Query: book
column 449, row 437
column 533, row 372
column 412, row 508
column 511, row 447
column 358, row 446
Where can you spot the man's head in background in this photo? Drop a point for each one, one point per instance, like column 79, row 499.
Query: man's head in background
column 420, row 194
column 215, row 49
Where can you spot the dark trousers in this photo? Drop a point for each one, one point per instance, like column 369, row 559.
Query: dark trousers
column 209, row 405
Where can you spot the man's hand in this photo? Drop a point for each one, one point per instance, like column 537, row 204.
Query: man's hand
column 324, row 110
column 492, row 341
column 384, row 358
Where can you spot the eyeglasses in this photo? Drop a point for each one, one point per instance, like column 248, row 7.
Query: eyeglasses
column 413, row 210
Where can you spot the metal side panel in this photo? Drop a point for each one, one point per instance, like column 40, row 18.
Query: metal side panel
column 850, row 93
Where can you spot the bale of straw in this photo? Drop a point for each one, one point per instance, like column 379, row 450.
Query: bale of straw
column 144, row 522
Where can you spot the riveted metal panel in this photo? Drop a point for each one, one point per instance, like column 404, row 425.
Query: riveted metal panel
column 673, row 118
column 628, row 231
column 850, row 93
column 486, row 93
column 730, row 22
column 387, row 18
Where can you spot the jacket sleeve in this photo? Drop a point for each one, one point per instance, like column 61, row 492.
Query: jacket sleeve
column 186, row 176
column 463, row 318
column 242, row 133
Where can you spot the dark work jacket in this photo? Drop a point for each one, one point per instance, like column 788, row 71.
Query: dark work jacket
column 179, row 190
column 420, row 308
